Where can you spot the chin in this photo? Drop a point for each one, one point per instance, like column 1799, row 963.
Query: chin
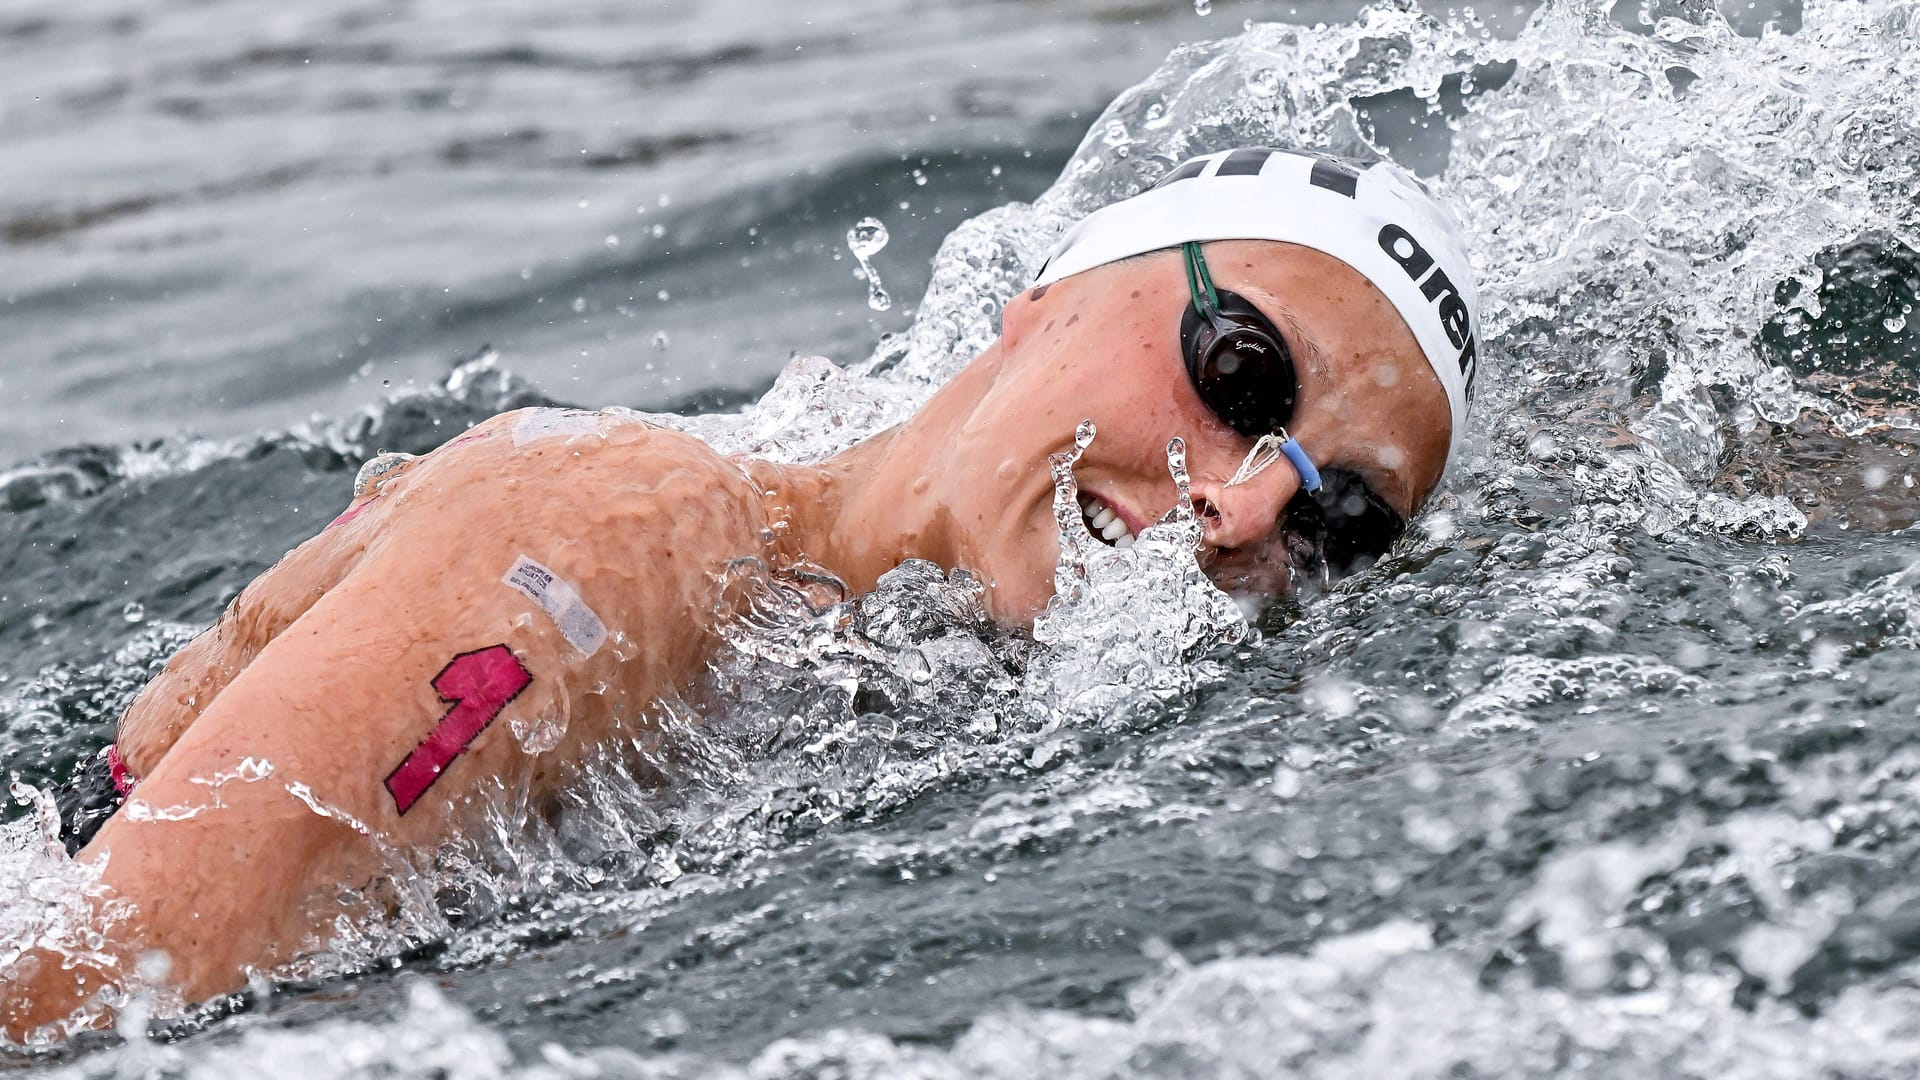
column 1020, row 592
column 1015, row 608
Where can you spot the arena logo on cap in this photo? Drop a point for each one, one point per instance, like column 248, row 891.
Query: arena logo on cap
column 1438, row 288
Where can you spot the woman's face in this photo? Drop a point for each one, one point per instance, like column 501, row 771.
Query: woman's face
column 1105, row 345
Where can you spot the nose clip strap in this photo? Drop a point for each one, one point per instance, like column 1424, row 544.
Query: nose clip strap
column 1271, row 448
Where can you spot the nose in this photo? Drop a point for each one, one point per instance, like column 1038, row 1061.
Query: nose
column 1245, row 550
column 1244, row 514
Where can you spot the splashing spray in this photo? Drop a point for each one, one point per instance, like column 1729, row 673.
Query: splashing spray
column 1182, row 512
column 866, row 239
column 1076, row 543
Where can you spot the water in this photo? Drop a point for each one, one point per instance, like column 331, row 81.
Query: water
column 1608, row 771
column 866, row 239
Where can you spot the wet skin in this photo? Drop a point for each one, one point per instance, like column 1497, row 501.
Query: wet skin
column 325, row 665
column 1104, row 345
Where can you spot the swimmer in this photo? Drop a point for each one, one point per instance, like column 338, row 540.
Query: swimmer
column 1305, row 323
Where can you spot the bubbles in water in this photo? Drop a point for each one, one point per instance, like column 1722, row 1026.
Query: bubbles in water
column 134, row 612
column 866, row 239
column 1287, row 782
column 1203, row 7
column 1126, row 623
column 540, row 733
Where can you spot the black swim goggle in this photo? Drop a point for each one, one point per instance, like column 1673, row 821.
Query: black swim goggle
column 1243, row 371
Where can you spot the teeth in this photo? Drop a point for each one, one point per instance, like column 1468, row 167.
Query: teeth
column 1104, row 523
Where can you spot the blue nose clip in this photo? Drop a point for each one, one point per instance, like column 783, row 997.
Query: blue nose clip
column 1271, row 448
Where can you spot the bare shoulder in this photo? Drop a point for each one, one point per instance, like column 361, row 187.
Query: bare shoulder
column 574, row 468
column 514, row 515
column 605, row 494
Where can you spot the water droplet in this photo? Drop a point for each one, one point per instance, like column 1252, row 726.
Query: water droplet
column 579, row 304
column 539, row 734
column 1430, row 831
column 1203, row 7
column 1070, row 570
column 1182, row 511
column 1287, row 782
column 134, row 612
column 612, row 241
column 661, row 340
column 867, row 237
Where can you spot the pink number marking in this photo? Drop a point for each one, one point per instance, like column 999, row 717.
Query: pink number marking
column 479, row 684
column 349, row 514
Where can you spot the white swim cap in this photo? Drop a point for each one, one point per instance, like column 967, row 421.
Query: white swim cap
column 1373, row 217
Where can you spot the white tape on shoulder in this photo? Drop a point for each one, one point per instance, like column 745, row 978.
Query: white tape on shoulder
column 561, row 601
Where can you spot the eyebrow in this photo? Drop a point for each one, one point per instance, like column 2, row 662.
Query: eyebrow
column 1373, row 473
column 1316, row 356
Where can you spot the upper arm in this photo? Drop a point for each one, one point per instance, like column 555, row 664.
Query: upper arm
column 504, row 597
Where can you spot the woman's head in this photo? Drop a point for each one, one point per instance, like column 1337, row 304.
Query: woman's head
column 1108, row 333
column 1374, row 218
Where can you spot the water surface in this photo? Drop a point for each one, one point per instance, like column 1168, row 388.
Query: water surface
column 1609, row 771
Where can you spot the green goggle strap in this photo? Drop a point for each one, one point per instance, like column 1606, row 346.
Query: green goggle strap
column 1199, row 282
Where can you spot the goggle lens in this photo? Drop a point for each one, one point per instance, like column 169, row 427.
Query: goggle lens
column 1243, row 371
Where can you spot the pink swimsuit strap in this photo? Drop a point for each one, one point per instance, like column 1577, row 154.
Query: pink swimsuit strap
column 123, row 781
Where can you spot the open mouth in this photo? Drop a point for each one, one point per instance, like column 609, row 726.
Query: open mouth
column 1102, row 522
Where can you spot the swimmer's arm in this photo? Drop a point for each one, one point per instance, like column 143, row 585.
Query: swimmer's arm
column 194, row 676
column 276, row 813
column 201, row 669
